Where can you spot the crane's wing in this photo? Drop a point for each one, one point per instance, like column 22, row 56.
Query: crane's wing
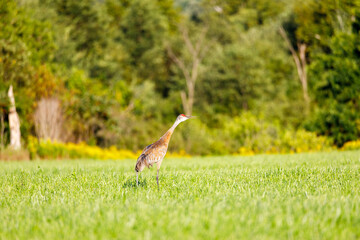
column 152, row 154
column 147, row 147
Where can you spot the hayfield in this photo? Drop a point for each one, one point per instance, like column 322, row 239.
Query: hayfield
column 300, row 196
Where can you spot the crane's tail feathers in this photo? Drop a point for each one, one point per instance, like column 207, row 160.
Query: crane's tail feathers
column 137, row 166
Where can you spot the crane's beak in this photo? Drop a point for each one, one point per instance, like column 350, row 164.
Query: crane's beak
column 191, row 117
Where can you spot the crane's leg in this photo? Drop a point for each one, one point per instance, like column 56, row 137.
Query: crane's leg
column 158, row 164
column 157, row 178
column 137, row 176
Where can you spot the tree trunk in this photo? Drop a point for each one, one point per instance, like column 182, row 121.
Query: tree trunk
column 14, row 122
column 185, row 103
column 300, row 62
column 2, row 129
column 303, row 76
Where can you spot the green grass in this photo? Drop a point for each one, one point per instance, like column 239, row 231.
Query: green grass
column 303, row 196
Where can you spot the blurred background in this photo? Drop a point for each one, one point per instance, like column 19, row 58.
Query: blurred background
column 105, row 78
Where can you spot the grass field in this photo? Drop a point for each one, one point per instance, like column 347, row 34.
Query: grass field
column 303, row 196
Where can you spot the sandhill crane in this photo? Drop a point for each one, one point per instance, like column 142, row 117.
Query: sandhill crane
column 155, row 153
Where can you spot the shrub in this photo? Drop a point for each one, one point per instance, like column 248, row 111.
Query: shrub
column 351, row 145
column 337, row 121
column 10, row 155
column 55, row 150
column 303, row 141
column 245, row 134
column 253, row 134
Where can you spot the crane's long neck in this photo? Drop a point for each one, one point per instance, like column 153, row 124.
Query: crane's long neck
column 166, row 137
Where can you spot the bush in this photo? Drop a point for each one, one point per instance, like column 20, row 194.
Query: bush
column 56, row 150
column 10, row 155
column 338, row 122
column 303, row 141
column 245, row 134
column 255, row 135
column 351, row 145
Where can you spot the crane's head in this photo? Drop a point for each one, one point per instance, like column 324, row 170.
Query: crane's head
column 182, row 118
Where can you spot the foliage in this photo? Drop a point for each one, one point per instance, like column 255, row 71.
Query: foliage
column 300, row 196
column 88, row 106
column 14, row 155
column 25, row 43
column 90, row 35
column 245, row 134
column 109, row 64
column 49, row 150
column 318, row 21
column 144, row 29
column 337, row 89
column 255, row 135
column 338, row 121
column 351, row 145
column 56, row 150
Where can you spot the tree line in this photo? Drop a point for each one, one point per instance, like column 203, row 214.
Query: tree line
column 118, row 72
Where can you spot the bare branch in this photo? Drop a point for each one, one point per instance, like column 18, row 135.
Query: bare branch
column 178, row 62
column 129, row 107
column 203, row 52
column 191, row 72
column 182, row 66
column 285, row 37
column 185, row 102
column 302, row 52
column 293, row 52
column 186, row 38
column 201, row 40
column 300, row 62
column 195, row 70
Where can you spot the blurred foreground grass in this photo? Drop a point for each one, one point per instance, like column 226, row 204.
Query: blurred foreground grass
column 300, row 196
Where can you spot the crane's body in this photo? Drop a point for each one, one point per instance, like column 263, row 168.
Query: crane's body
column 155, row 153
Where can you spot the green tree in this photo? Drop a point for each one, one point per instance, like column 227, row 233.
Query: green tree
column 25, row 44
column 144, row 29
column 86, row 39
column 337, row 87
